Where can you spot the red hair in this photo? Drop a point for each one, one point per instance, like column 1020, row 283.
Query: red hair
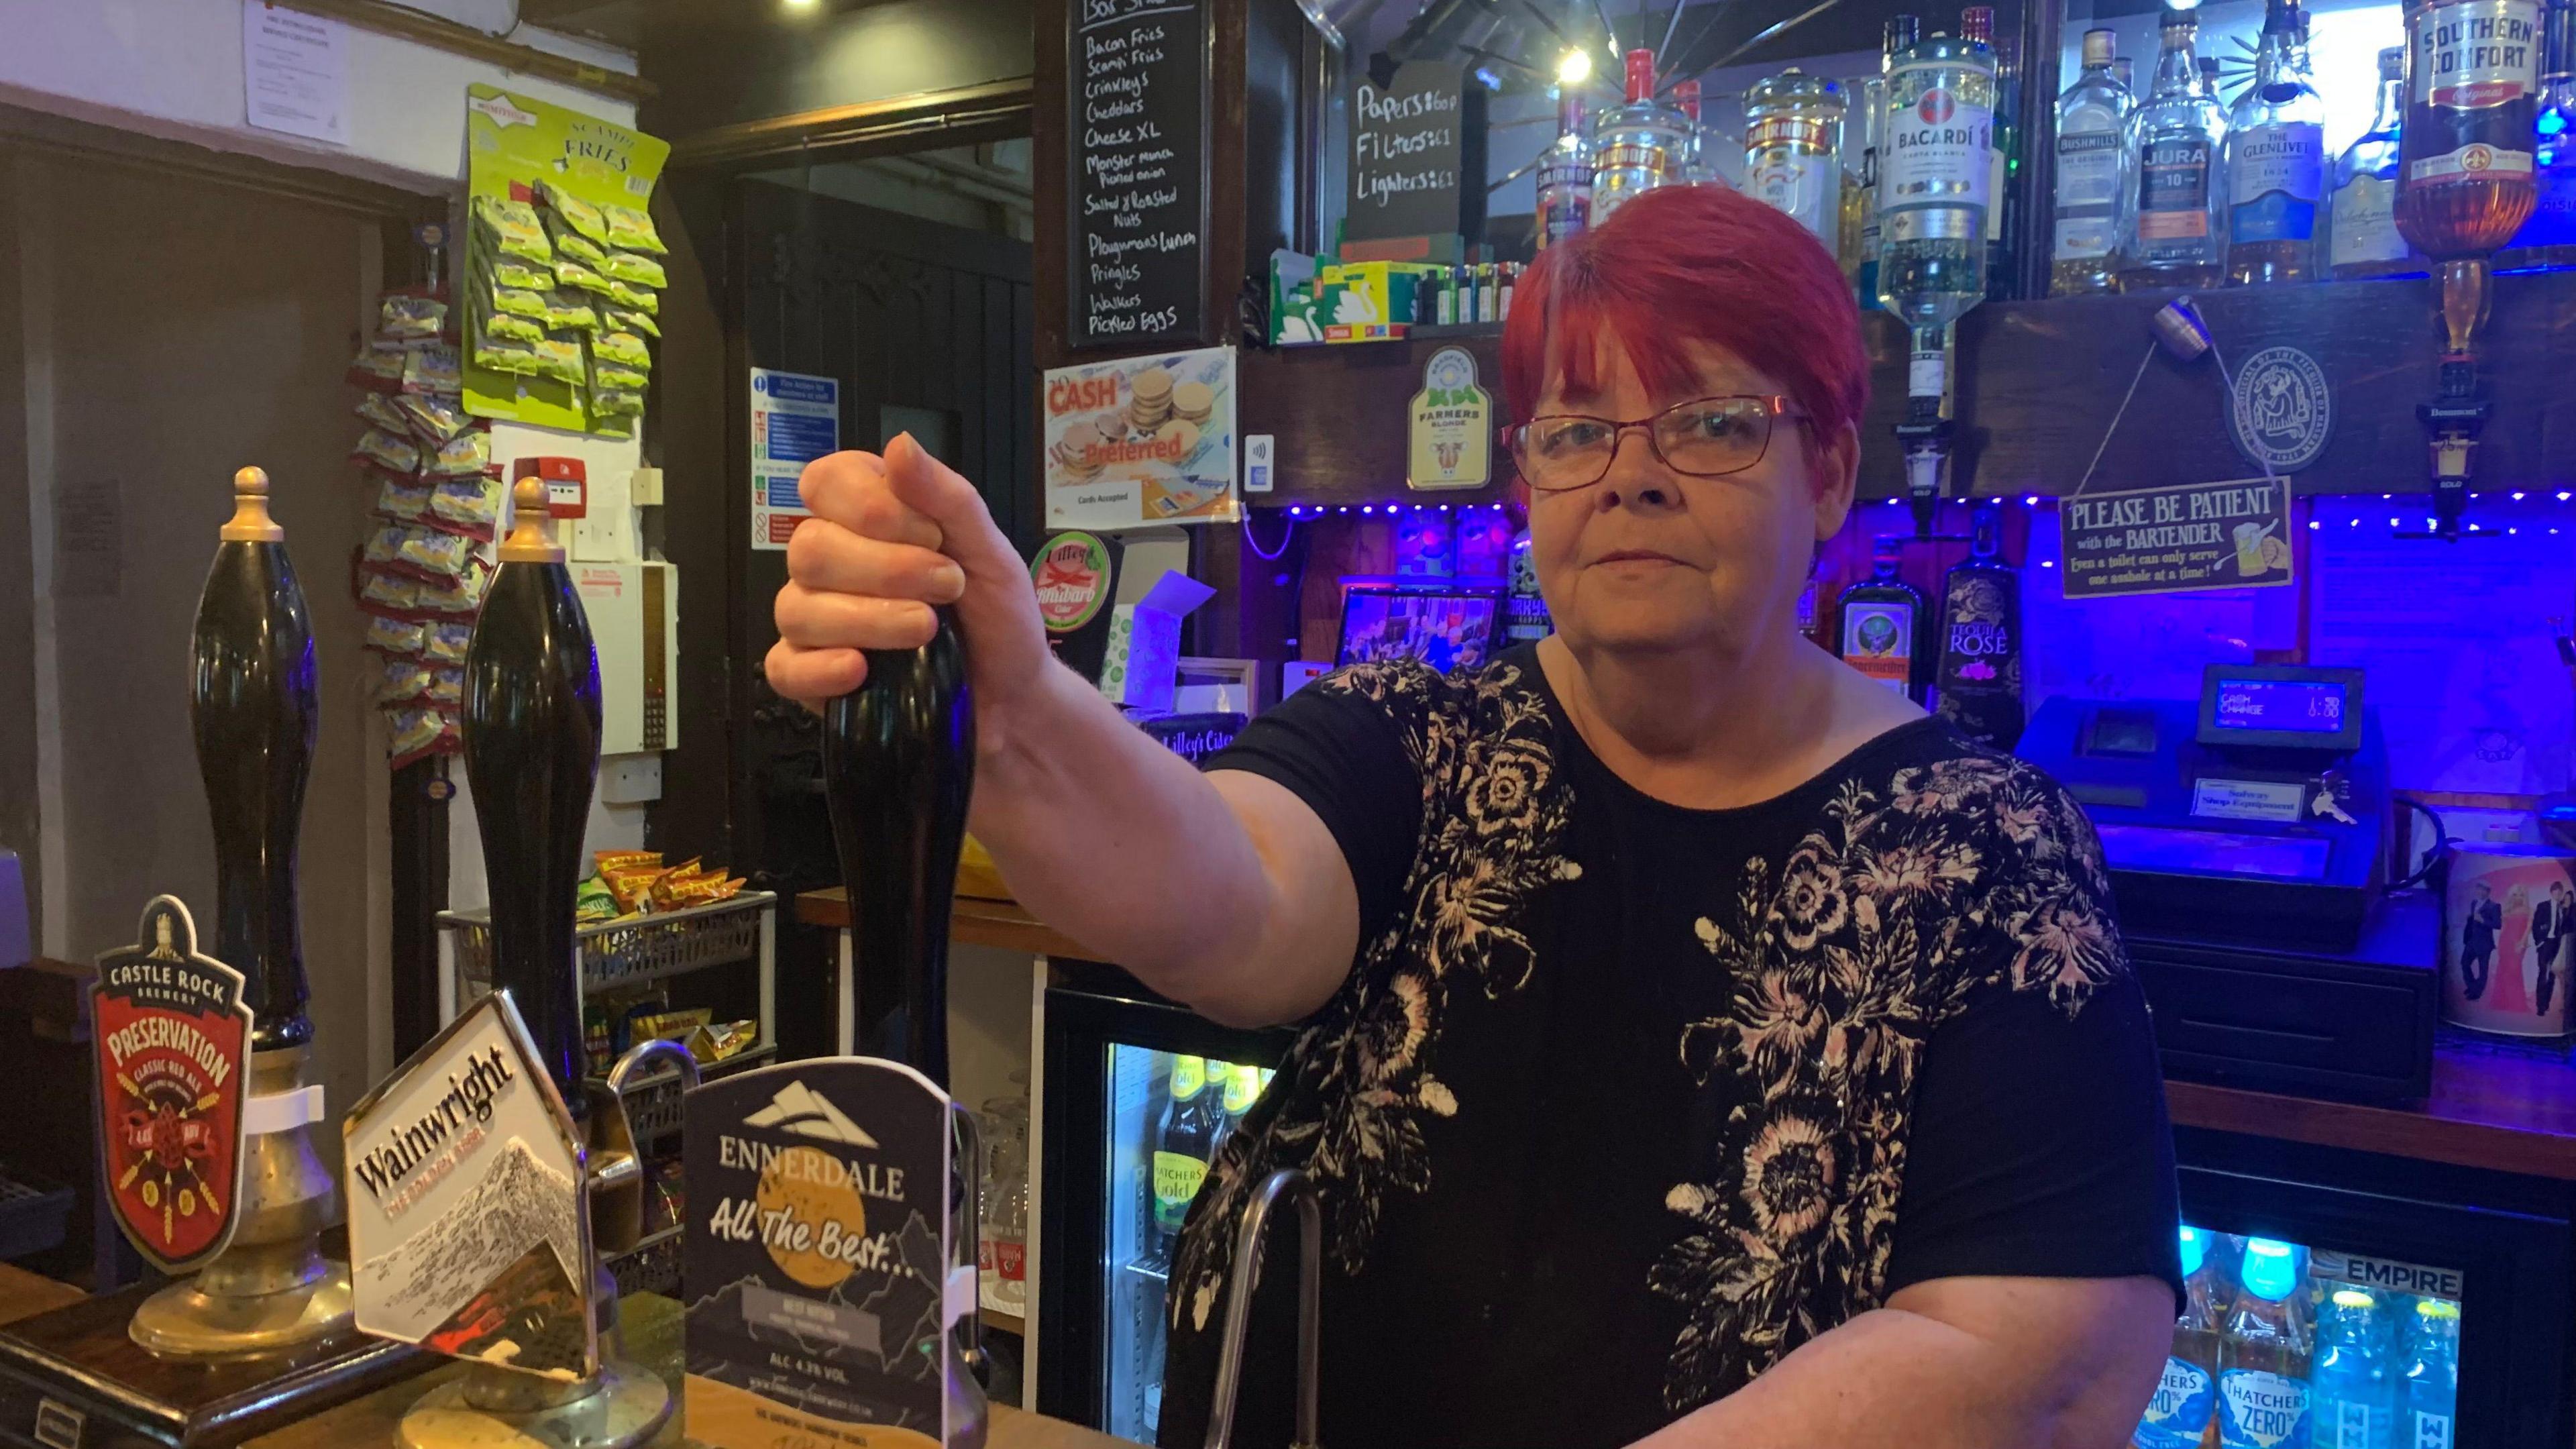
column 1685, row 264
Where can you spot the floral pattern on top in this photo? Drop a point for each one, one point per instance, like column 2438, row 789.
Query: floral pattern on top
column 1966, row 873
column 1358, row 1086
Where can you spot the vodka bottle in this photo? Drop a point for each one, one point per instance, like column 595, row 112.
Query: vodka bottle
column 1695, row 158
column 1636, row 146
column 1933, row 190
column 1792, row 122
column 1871, row 96
column 1565, row 177
column 1977, row 23
column 2553, row 215
column 2090, row 116
column 2173, row 225
column 2275, row 159
column 2361, row 226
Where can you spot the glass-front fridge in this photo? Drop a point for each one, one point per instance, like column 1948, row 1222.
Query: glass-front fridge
column 1138, row 1096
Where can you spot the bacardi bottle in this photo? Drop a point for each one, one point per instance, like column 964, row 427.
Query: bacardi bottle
column 1883, row 624
column 1979, row 679
column 2361, row 216
column 2090, row 117
column 1639, row 145
column 1791, row 123
column 1565, row 177
column 2275, row 159
column 2173, row 226
column 1934, row 186
column 2553, row 211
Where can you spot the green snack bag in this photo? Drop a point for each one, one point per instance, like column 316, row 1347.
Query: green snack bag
column 559, row 357
column 574, row 245
column 572, row 211
column 625, row 321
column 510, row 228
column 611, row 377
column 520, row 302
column 507, row 273
column 499, row 354
column 569, row 311
column 612, row 402
column 630, row 268
column 513, row 328
column 569, row 273
column 623, row 348
column 631, row 230
column 635, row 299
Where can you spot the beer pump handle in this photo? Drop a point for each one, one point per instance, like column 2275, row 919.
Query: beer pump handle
column 252, row 707
column 898, row 770
column 530, row 723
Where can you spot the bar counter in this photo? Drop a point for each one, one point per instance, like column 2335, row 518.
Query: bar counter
column 2487, row 1109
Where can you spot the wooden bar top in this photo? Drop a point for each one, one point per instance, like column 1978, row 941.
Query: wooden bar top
column 2488, row 1109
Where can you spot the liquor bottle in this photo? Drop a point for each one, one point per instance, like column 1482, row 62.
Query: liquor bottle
column 1933, row 189
column 2185, row 1402
column 2467, row 144
column 1791, row 122
column 1883, row 621
column 2361, row 218
column 2172, row 212
column 531, row 731
column 1977, row 23
column 1870, row 94
column 1565, row 177
column 2090, row 116
column 2263, row 1383
column 1979, row 678
column 898, row 772
column 1695, row 157
column 2275, row 159
column 1184, row 1140
column 1636, row 146
column 2553, row 211
column 2125, row 71
column 2431, row 1390
column 1525, row 616
column 2352, row 1400
column 2208, row 67
column 1851, row 198
column 253, row 707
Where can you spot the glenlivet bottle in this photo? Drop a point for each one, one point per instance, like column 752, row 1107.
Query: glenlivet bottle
column 2275, row 159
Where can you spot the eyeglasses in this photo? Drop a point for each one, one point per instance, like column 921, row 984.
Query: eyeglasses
column 1707, row 437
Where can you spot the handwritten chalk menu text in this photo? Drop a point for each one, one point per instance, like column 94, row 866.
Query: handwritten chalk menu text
column 1406, row 154
column 1137, row 83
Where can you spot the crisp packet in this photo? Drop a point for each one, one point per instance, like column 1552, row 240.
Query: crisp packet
column 623, row 859
column 434, row 552
column 625, row 321
column 458, row 596
column 518, row 276
column 383, row 545
column 389, row 593
column 402, row 500
column 381, row 410
column 378, row 367
column 389, row 451
column 571, row 211
column 574, row 274
column 395, row 636
column 592, row 904
column 559, row 357
column 527, row 302
column 446, row 687
column 571, row 246
column 634, row 298
column 623, row 348
column 630, row 268
column 418, row 734
column 446, row 643
column 432, row 418
column 631, row 230
column 514, row 329
column 570, row 312
column 405, row 678
column 467, row 453
column 718, row 1040
column 610, row 402
column 609, row 377
column 510, row 229
column 432, row 368
column 410, row 317
column 474, row 503
column 501, row 354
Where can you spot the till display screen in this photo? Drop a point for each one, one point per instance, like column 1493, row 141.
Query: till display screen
column 2297, row 705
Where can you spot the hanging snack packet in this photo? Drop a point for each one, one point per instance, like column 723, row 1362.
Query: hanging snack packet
column 568, row 210
column 454, row 597
column 383, row 546
column 432, row 368
column 632, row 231
column 527, row 302
column 432, row 418
column 625, row 321
column 510, row 229
column 403, row 679
column 410, row 316
column 573, row 274
column 635, row 299
column 446, row 687
column 473, row 504
column 402, row 500
column 391, row 593
column 636, row 271
column 572, row 247
column 384, row 411
column 610, row 402
column 395, row 636
column 515, row 329
column 609, row 377
column 419, row 734
column 559, row 357
column 446, row 643
column 468, row 453
column 501, row 354
column 518, row 276
column 389, row 451
column 433, row 552
column 623, row 348
column 378, row 367
column 570, row 312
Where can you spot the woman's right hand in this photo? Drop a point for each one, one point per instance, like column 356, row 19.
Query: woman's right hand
column 892, row 538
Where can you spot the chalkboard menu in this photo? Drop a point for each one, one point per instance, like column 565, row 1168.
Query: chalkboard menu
column 1407, row 152
column 1137, row 90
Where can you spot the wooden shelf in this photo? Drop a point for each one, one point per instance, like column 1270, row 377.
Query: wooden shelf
column 972, row 920
column 2488, row 1108
column 1003, row 1320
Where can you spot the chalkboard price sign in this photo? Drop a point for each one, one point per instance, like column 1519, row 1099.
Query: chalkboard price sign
column 1407, row 152
column 1137, row 88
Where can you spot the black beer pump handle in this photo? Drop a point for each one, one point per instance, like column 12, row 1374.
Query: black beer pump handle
column 530, row 725
column 898, row 769
column 252, row 706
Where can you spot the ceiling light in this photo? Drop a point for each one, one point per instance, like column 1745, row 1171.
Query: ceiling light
column 1575, row 68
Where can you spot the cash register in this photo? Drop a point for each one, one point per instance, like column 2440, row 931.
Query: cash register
column 2247, row 835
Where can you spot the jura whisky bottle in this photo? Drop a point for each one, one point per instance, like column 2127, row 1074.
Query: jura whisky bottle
column 898, row 769
column 531, row 732
column 251, row 703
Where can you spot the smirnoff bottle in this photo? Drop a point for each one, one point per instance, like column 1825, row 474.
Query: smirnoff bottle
column 1637, row 146
column 1883, row 623
column 1695, row 159
column 1792, row 123
column 2090, row 117
column 1979, row 678
column 2275, row 159
column 2361, row 224
column 2173, row 224
column 1565, row 177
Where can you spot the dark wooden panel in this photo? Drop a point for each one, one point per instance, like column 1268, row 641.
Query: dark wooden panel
column 1340, row 414
column 2489, row 1109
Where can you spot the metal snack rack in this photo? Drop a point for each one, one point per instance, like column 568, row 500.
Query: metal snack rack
column 631, row 952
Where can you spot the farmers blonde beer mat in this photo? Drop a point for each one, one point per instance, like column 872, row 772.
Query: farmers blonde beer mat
column 2176, row 540
column 817, row 1263
column 467, row 1229
column 1142, row 440
column 172, row 1038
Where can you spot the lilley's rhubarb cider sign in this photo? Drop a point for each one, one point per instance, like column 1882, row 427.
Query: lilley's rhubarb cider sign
column 2181, row 539
column 1142, row 440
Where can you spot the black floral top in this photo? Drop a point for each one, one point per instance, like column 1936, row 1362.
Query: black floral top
column 1622, row 1101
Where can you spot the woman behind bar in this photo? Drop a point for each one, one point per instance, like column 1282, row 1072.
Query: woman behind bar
column 1700, row 1046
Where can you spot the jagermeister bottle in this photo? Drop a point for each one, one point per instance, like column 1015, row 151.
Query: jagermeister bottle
column 531, row 733
column 1979, row 678
column 1883, row 624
